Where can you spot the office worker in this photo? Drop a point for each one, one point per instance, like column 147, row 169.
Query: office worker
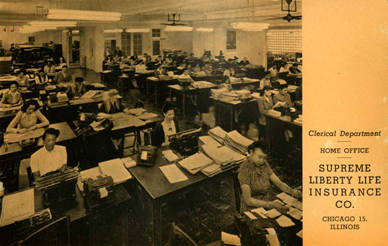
column 283, row 96
column 255, row 177
column 266, row 81
column 110, row 105
column 12, row 97
column 167, row 127
column 22, row 78
column 51, row 157
column 27, row 118
column 294, row 69
column 63, row 76
column 49, row 68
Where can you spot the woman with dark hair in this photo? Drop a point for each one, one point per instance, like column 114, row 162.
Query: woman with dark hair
column 12, row 97
column 27, row 118
column 50, row 157
column 166, row 128
column 22, row 78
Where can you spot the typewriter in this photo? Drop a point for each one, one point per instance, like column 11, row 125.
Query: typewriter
column 98, row 192
column 185, row 142
column 58, row 187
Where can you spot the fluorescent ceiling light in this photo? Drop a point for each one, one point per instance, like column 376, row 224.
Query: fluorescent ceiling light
column 71, row 14
column 137, row 30
column 75, row 31
column 53, row 23
column 204, row 29
column 249, row 26
column 113, row 30
column 178, row 29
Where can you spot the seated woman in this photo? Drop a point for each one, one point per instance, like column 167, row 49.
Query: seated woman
column 63, row 76
column 27, row 118
column 110, row 105
column 255, row 177
column 12, row 98
column 50, row 157
column 284, row 97
column 169, row 126
column 266, row 81
column 22, row 78
column 76, row 89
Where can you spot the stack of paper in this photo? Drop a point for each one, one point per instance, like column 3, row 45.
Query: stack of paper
column 17, row 206
column 173, row 174
column 218, row 134
column 209, row 140
column 235, row 140
column 91, row 94
column 261, row 212
column 272, row 237
column 295, row 213
column 203, row 84
column 195, row 163
column 273, row 213
column 115, row 169
column 223, row 156
column 91, row 173
column 211, row 170
column 170, row 155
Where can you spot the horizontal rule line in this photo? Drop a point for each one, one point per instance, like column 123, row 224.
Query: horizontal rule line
column 346, row 157
column 343, row 141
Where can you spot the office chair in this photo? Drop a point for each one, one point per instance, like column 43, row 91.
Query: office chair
column 56, row 233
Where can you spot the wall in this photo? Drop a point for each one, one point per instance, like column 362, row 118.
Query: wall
column 178, row 41
column 8, row 38
column 248, row 44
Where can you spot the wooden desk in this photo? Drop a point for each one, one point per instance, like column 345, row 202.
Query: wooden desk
column 159, row 85
column 159, row 191
column 230, row 108
column 277, row 140
column 191, row 91
column 80, row 216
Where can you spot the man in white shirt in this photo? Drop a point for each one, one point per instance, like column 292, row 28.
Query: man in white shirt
column 50, row 157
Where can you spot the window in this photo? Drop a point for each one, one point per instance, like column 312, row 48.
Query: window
column 155, row 33
column 230, row 40
column 284, row 41
column 156, row 47
column 126, row 43
column 137, row 44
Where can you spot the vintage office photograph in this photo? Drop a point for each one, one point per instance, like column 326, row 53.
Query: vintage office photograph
column 158, row 122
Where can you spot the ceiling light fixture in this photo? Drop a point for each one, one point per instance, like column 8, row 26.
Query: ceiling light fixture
column 53, row 23
column 71, row 14
column 250, row 26
column 137, row 30
column 204, row 29
column 113, row 30
column 178, row 29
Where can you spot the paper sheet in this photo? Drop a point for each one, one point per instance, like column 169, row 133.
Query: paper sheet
column 290, row 200
column 273, row 213
column 17, row 206
column 209, row 140
column 173, row 174
column 196, row 162
column 295, row 213
column 115, row 169
column 261, row 212
column 128, row 162
column 272, row 237
column 284, row 221
column 170, row 155
column 300, row 234
column 250, row 215
column 230, row 239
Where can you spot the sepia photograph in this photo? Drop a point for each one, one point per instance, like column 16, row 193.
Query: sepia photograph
column 158, row 122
